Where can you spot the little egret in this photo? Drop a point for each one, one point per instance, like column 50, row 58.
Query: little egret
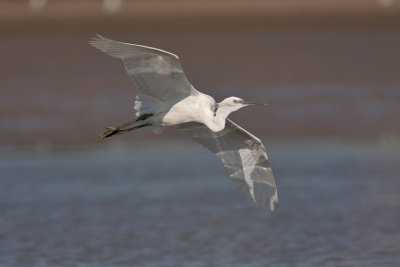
column 165, row 98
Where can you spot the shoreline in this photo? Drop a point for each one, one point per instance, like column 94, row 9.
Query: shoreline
column 87, row 16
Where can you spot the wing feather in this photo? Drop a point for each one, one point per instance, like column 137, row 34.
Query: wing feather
column 243, row 156
column 157, row 74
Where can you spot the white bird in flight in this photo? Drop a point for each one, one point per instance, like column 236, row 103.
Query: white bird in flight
column 166, row 98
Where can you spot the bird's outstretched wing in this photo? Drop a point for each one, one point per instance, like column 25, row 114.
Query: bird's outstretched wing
column 157, row 74
column 243, row 156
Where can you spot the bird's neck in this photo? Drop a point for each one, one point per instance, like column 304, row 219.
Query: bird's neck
column 218, row 121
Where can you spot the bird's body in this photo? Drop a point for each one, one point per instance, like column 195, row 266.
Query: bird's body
column 197, row 107
column 166, row 98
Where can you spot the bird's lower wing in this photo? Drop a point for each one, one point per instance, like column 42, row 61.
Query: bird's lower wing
column 243, row 156
column 157, row 74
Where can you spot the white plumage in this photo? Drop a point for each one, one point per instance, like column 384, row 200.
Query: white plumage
column 166, row 98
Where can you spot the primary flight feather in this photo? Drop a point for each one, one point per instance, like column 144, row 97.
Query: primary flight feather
column 166, row 98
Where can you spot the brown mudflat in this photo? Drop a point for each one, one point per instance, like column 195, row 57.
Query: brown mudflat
column 326, row 70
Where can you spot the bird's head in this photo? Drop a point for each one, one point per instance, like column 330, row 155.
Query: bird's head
column 235, row 103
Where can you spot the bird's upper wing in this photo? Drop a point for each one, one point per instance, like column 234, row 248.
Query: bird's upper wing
column 243, row 156
column 156, row 73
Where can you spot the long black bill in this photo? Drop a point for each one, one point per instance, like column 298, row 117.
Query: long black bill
column 244, row 102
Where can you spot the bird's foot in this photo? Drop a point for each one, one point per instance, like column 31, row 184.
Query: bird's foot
column 110, row 131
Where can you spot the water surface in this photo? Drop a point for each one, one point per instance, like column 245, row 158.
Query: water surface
column 174, row 205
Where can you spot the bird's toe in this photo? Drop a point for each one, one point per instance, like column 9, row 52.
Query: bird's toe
column 109, row 132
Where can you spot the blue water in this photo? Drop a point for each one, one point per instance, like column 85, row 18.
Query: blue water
column 174, row 205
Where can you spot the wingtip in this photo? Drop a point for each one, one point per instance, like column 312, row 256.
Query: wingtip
column 274, row 203
column 101, row 36
column 96, row 39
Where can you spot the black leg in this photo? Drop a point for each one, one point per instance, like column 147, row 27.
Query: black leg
column 115, row 131
column 110, row 131
column 131, row 129
column 125, row 124
column 144, row 116
column 140, row 118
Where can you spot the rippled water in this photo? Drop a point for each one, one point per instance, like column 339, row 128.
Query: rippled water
column 339, row 206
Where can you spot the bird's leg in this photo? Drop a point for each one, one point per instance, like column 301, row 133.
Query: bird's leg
column 131, row 129
column 109, row 132
column 112, row 130
column 116, row 131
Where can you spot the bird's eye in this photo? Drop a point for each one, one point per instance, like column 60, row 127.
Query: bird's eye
column 235, row 101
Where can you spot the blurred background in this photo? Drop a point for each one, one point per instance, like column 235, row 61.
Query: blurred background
column 329, row 71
